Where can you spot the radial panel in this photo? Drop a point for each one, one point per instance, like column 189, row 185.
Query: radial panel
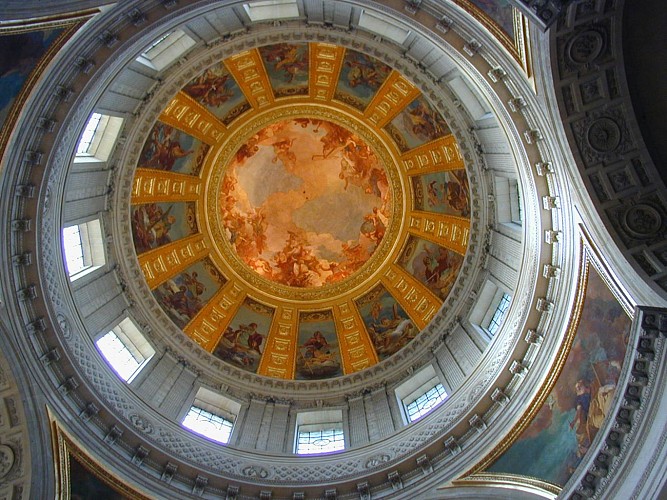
column 248, row 70
column 153, row 186
column 186, row 114
column 165, row 262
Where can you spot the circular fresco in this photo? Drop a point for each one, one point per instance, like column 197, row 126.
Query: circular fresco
column 281, row 190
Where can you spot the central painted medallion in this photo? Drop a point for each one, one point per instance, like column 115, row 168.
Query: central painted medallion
column 304, row 202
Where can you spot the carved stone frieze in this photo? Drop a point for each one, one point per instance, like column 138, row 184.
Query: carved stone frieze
column 597, row 113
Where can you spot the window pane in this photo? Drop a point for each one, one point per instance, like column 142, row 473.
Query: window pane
column 208, row 424
column 73, row 250
column 499, row 315
column 426, row 402
column 118, row 355
column 324, row 440
column 88, row 134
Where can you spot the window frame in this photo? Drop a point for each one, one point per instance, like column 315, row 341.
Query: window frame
column 418, row 385
column 166, row 50
column 217, row 405
column 435, row 400
column 91, row 243
column 499, row 314
column 133, row 341
column 265, row 10
column 102, row 141
column 311, row 422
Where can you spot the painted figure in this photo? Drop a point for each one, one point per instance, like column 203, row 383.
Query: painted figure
column 151, row 226
column 182, row 296
column 316, row 357
column 286, row 58
column 162, row 150
column 211, row 88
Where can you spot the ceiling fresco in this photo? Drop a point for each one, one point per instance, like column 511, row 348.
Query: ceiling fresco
column 280, row 187
column 300, row 211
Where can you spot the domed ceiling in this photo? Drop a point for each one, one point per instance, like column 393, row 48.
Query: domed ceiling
column 300, row 210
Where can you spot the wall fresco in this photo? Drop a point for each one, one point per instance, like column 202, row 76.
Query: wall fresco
column 183, row 296
column 387, row 323
column 287, row 67
column 85, row 485
column 285, row 229
column 156, row 224
column 318, row 354
column 244, row 340
column 417, row 124
column 434, row 266
column 500, row 11
column 217, row 90
column 554, row 443
column 443, row 192
column 361, row 76
column 168, row 148
column 19, row 55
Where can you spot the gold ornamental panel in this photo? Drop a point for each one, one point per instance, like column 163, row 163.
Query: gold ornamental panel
column 249, row 72
column 438, row 156
column 357, row 350
column 394, row 95
column 210, row 323
column 417, row 300
column 186, row 114
column 326, row 61
column 448, row 231
column 153, row 186
column 167, row 261
column 279, row 355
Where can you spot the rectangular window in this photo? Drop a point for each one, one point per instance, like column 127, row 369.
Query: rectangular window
column 320, row 438
column 426, row 402
column 420, row 393
column 515, row 202
column 271, row 9
column 98, row 138
column 83, row 248
column 88, row 134
column 208, row 424
column 125, row 349
column 166, row 50
column 319, row 432
column 212, row 415
column 73, row 250
column 499, row 314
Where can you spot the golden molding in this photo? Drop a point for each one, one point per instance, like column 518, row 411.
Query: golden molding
column 248, row 70
column 448, row 231
column 415, row 298
column 326, row 61
column 517, row 44
column 154, row 186
column 65, row 446
column 186, row 114
column 167, row 261
column 437, row 156
column 536, row 486
column 394, row 95
column 230, row 264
